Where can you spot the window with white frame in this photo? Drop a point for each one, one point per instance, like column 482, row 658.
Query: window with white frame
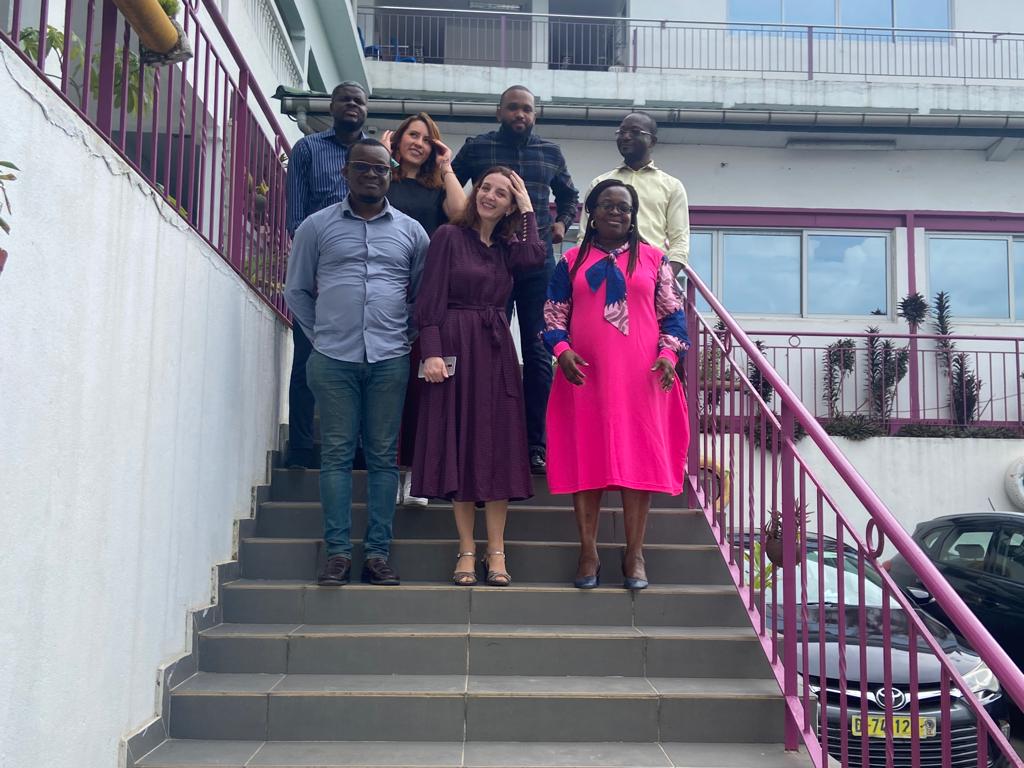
column 913, row 14
column 983, row 275
column 794, row 272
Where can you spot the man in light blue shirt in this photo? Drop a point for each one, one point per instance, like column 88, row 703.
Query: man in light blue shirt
column 353, row 274
column 315, row 181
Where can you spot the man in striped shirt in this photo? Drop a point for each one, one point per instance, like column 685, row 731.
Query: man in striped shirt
column 542, row 166
column 315, row 181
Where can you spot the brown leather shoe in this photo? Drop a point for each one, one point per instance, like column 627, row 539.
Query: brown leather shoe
column 377, row 571
column 336, row 571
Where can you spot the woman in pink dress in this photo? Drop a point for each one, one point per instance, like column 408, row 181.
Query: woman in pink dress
column 617, row 418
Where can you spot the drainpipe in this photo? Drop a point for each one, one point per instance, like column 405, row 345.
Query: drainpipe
column 149, row 21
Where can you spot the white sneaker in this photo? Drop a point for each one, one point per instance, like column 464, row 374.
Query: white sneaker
column 405, row 492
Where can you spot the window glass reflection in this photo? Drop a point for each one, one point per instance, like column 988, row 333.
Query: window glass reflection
column 846, row 275
column 755, row 11
column 922, row 14
column 866, row 13
column 973, row 272
column 810, row 12
column 700, row 262
column 761, row 274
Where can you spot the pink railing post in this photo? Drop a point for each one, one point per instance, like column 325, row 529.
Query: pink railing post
column 108, row 49
column 810, row 53
column 790, row 532
column 693, row 385
column 503, row 42
column 1020, row 384
column 913, row 371
column 239, row 161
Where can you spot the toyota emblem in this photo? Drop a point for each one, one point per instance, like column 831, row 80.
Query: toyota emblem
column 896, row 698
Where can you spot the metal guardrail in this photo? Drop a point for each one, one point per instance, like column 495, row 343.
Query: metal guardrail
column 200, row 132
column 601, row 43
column 745, row 422
column 898, row 379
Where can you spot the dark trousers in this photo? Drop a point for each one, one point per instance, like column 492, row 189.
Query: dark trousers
column 529, row 290
column 300, row 402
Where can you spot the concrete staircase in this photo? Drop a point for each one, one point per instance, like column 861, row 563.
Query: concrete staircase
column 430, row 674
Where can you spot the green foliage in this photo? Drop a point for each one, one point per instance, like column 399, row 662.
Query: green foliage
column 54, row 44
column 840, row 359
column 170, row 7
column 913, row 308
column 760, row 383
column 5, row 202
column 944, row 430
column 886, row 367
column 965, row 390
column 942, row 324
column 858, row 427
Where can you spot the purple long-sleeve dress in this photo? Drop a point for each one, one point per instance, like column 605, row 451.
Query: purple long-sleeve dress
column 471, row 431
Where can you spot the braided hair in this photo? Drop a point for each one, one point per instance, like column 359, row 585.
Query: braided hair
column 590, row 204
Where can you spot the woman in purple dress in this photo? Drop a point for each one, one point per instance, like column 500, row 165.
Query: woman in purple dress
column 471, row 432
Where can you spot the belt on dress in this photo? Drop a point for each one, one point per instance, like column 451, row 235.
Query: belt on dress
column 496, row 325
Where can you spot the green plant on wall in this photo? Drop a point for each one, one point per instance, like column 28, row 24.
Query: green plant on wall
column 964, row 384
column 840, row 359
column 886, row 365
column 54, row 44
column 913, row 308
column 170, row 7
column 5, row 175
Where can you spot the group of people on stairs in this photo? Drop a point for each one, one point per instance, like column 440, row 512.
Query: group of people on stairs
column 402, row 286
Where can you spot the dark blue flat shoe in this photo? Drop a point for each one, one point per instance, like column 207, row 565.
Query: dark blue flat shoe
column 589, row 582
column 631, row 583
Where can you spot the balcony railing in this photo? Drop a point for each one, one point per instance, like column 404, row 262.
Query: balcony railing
column 200, row 132
column 273, row 36
column 893, row 380
column 594, row 43
column 847, row 647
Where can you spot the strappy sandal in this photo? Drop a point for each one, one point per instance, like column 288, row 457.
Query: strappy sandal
column 495, row 578
column 464, row 578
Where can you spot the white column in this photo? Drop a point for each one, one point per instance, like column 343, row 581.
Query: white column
column 539, row 35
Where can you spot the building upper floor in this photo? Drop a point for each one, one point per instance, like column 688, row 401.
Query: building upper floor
column 913, row 56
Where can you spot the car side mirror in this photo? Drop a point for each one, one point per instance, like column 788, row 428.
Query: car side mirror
column 919, row 595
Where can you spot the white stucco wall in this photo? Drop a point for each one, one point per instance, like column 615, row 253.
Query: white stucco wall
column 140, row 388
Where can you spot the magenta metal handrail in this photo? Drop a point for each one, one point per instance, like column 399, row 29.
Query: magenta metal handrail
column 568, row 41
column 201, row 132
column 776, row 524
column 986, row 388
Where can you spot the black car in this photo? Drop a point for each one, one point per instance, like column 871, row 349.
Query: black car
column 823, row 635
column 981, row 554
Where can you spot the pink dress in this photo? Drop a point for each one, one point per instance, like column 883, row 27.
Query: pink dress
column 620, row 429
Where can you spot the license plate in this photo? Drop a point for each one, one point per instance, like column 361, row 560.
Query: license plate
column 902, row 726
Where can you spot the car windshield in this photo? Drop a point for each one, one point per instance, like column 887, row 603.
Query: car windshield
column 832, row 576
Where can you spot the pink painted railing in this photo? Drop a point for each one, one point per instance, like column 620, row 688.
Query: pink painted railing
column 200, row 132
column 899, row 379
column 825, row 608
column 607, row 43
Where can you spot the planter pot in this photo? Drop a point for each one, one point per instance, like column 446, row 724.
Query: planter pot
column 163, row 41
column 773, row 550
column 259, row 205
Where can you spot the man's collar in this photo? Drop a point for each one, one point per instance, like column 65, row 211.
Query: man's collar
column 346, row 209
column 330, row 135
column 649, row 166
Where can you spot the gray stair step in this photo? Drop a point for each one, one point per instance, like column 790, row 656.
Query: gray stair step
column 304, row 520
column 177, row 753
column 483, row 649
column 528, row 561
column 301, row 602
column 304, row 485
column 477, row 708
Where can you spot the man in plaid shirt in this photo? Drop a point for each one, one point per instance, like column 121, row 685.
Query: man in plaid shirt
column 541, row 165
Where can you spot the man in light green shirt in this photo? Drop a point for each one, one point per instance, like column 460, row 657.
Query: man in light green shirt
column 663, row 218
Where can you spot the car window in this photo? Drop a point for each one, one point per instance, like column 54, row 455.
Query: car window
column 930, row 541
column 966, row 549
column 1008, row 561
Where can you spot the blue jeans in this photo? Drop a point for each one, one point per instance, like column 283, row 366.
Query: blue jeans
column 529, row 291
column 358, row 400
